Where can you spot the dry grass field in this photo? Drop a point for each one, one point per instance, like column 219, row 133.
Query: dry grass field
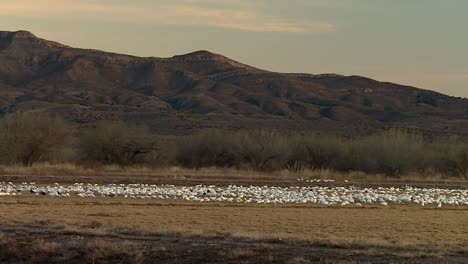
column 103, row 174
column 239, row 232
column 39, row 229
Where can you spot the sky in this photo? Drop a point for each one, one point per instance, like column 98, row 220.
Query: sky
column 422, row 43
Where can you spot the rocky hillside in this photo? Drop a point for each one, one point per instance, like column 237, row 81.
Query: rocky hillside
column 202, row 89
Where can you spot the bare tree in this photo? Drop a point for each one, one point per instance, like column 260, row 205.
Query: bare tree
column 207, row 148
column 260, row 149
column 29, row 137
column 455, row 161
column 117, row 143
column 462, row 166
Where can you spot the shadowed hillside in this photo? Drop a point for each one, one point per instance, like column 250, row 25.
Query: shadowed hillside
column 202, row 89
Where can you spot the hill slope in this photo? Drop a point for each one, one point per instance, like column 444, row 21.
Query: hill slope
column 202, row 89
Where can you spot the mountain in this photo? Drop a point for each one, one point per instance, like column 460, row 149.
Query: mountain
column 202, row 89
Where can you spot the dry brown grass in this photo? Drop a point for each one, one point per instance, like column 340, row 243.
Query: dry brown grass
column 47, row 248
column 45, row 241
column 48, row 169
column 397, row 227
column 213, row 173
column 298, row 260
column 241, row 253
column 102, row 249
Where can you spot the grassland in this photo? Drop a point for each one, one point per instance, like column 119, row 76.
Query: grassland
column 42, row 242
column 133, row 230
column 71, row 172
column 38, row 229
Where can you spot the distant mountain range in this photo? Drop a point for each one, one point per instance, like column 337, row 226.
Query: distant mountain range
column 202, row 89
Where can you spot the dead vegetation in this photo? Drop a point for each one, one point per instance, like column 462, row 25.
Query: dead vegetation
column 117, row 143
column 49, row 173
column 28, row 138
column 39, row 242
column 394, row 153
column 426, row 230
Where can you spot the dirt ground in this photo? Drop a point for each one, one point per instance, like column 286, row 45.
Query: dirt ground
column 441, row 230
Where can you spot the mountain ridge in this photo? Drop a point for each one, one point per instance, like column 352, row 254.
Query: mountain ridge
column 202, row 89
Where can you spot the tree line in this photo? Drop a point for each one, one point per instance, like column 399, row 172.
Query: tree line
column 38, row 136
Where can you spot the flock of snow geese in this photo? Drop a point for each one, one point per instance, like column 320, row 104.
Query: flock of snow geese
column 322, row 195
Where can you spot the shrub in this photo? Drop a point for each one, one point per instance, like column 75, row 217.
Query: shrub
column 296, row 156
column 367, row 102
column 257, row 149
column 327, row 112
column 117, row 143
column 454, row 161
column 426, row 98
column 317, row 152
column 29, row 137
column 462, row 162
column 207, row 148
column 392, row 153
column 261, row 149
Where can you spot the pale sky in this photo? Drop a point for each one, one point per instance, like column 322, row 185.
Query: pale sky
column 423, row 43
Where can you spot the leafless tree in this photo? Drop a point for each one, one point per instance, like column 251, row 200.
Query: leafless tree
column 117, row 143
column 31, row 136
column 260, row 149
column 207, row 148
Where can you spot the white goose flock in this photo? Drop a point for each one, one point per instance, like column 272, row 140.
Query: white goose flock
column 323, row 195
